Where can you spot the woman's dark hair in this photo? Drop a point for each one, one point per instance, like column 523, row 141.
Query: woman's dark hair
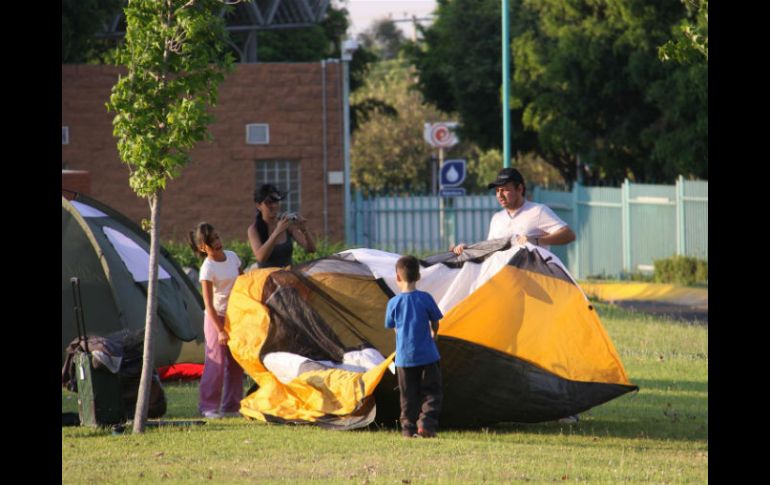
column 261, row 226
column 262, row 193
column 409, row 268
column 202, row 234
column 265, row 191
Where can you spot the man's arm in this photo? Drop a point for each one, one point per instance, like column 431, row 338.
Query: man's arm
column 564, row 235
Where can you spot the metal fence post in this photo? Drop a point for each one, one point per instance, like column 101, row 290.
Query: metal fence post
column 626, row 223
column 576, row 266
column 359, row 218
column 680, row 246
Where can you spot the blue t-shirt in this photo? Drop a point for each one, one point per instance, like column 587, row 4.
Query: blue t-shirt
column 410, row 314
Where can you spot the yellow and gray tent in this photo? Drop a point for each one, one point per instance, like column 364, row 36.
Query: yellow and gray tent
column 110, row 255
column 519, row 341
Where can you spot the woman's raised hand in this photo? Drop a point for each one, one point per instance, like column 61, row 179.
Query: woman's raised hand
column 283, row 224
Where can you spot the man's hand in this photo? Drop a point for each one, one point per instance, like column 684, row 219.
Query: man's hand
column 458, row 250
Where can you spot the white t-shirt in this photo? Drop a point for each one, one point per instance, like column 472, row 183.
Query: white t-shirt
column 222, row 275
column 531, row 220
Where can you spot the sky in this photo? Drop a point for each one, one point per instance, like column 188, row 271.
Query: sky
column 363, row 12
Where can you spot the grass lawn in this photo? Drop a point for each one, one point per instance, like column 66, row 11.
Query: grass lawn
column 659, row 434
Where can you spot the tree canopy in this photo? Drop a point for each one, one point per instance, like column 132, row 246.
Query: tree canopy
column 587, row 85
column 388, row 152
column 383, row 38
column 174, row 57
column 81, row 21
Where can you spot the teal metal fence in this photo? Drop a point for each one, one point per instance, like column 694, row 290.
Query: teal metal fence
column 619, row 230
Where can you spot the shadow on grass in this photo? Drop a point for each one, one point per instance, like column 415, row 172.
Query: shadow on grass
column 662, row 410
column 654, row 314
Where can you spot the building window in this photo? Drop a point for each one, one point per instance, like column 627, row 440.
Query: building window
column 65, row 135
column 258, row 134
column 284, row 174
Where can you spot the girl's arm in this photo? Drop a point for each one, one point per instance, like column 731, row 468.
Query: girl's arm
column 300, row 232
column 207, row 288
column 263, row 250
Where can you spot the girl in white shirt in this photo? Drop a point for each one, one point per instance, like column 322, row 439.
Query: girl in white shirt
column 221, row 385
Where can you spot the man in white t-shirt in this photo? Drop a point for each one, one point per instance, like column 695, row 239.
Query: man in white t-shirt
column 524, row 222
column 520, row 219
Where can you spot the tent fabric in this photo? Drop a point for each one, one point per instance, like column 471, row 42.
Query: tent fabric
column 110, row 255
column 180, row 372
column 292, row 337
column 135, row 258
column 519, row 340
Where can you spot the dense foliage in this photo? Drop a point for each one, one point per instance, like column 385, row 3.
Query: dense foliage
column 588, row 86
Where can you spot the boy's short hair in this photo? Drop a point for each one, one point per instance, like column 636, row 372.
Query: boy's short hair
column 409, row 268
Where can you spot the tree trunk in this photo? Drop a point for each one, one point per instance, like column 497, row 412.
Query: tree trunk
column 143, row 396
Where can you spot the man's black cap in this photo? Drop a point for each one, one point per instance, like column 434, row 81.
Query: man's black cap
column 507, row 175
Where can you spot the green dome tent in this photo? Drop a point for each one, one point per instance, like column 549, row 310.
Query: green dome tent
column 110, row 255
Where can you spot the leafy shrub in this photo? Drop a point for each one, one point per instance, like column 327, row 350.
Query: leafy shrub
column 681, row 270
column 183, row 253
column 323, row 248
column 639, row 276
column 243, row 250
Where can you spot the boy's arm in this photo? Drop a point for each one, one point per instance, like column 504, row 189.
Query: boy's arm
column 434, row 316
column 434, row 329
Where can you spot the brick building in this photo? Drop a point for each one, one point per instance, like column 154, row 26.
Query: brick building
column 292, row 111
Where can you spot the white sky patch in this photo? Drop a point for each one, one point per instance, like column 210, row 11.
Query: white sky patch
column 364, row 12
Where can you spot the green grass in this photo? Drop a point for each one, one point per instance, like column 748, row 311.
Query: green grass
column 659, row 434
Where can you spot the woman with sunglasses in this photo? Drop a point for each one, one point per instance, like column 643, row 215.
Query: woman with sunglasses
column 271, row 234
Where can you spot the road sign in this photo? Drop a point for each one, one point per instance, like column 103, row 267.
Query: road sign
column 452, row 173
column 452, row 192
column 441, row 135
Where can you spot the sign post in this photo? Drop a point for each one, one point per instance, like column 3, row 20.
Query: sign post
column 441, row 135
column 452, row 177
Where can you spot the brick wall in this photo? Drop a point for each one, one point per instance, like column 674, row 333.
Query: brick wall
column 75, row 181
column 218, row 184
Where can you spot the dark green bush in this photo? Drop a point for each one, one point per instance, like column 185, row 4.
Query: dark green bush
column 681, row 270
column 639, row 276
column 323, row 248
column 183, row 253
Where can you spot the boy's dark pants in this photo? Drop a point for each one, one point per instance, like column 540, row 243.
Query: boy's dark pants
column 421, row 397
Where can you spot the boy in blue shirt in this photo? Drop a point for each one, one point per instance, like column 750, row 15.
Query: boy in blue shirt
column 414, row 315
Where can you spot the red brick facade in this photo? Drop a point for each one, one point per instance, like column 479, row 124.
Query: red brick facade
column 75, row 181
column 218, row 184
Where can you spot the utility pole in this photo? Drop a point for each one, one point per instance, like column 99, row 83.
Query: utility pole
column 349, row 46
column 506, row 88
